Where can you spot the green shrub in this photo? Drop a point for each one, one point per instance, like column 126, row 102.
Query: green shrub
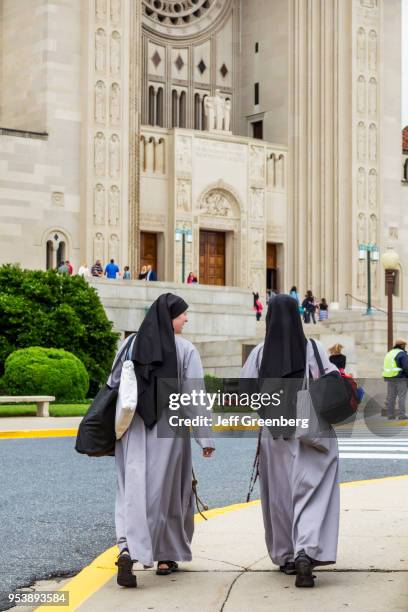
column 55, row 311
column 41, row 371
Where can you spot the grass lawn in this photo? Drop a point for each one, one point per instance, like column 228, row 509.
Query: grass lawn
column 57, row 410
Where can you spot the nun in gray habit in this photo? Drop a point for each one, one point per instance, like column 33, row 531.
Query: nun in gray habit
column 154, row 512
column 298, row 483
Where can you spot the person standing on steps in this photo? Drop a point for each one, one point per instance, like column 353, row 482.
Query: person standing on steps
column 395, row 374
column 298, row 480
column 154, row 512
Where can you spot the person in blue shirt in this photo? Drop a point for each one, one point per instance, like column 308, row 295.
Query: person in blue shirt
column 112, row 269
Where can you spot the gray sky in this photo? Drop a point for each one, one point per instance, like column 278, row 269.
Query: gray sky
column 404, row 22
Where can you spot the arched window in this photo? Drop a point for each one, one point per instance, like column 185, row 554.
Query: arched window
column 197, row 112
column 56, row 249
column 174, row 108
column 61, row 254
column 203, row 121
column 159, row 107
column 151, row 104
column 49, row 262
column 182, row 110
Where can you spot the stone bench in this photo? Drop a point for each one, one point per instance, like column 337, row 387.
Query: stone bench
column 42, row 401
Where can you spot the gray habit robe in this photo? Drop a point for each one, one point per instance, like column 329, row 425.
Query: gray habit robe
column 154, row 511
column 299, row 486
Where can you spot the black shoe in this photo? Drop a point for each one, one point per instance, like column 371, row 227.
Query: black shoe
column 289, row 568
column 125, row 576
column 403, row 417
column 391, row 418
column 172, row 566
column 304, row 574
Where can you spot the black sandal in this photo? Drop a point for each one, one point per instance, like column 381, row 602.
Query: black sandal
column 289, row 568
column 125, row 576
column 165, row 571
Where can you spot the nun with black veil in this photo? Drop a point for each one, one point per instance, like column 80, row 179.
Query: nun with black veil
column 154, row 511
column 298, row 478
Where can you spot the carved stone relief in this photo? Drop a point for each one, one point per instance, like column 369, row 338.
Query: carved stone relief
column 114, row 247
column 114, row 194
column 257, row 203
column 100, row 50
column 99, row 247
column 57, row 198
column 257, row 157
column 114, row 104
column 183, row 154
column 373, row 229
column 361, row 49
column 115, row 11
column 372, row 189
column 99, row 204
column 361, row 188
column 99, row 154
column 184, row 196
column 361, row 94
column 361, row 141
column 361, row 228
column 100, row 102
column 361, row 275
column 115, row 53
column 257, row 279
column 372, row 96
column 114, row 156
column 270, row 168
column 368, row 3
column 100, row 10
column 372, row 51
column 280, row 171
column 393, row 232
column 372, row 142
column 216, row 204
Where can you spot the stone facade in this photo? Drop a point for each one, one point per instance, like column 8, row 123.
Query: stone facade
column 105, row 135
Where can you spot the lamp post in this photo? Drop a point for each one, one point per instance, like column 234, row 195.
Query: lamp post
column 180, row 235
column 390, row 262
column 371, row 253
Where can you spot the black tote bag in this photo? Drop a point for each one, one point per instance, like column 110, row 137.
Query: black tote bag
column 331, row 394
column 96, row 433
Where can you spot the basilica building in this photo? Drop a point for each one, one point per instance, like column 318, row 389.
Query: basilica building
column 255, row 143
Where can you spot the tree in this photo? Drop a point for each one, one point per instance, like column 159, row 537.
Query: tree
column 55, row 311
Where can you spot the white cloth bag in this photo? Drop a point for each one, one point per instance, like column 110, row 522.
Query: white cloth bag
column 126, row 402
column 312, row 435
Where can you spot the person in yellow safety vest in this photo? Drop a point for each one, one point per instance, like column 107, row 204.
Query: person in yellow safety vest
column 395, row 373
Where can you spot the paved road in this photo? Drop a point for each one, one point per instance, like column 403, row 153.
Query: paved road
column 57, row 507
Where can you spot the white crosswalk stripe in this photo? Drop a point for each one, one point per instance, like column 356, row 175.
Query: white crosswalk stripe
column 374, row 448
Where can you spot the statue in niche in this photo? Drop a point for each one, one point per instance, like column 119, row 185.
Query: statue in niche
column 361, row 228
column 100, row 10
column 372, row 96
column 372, row 189
column 183, row 196
column 361, row 141
column 361, row 94
column 100, row 50
column 99, row 154
column 227, row 115
column 257, row 202
column 114, row 205
column 100, row 102
column 99, row 247
column 115, row 11
column 115, row 53
column 373, row 229
column 372, row 50
column 219, row 110
column 114, row 156
column 114, row 104
column 372, row 142
column 209, row 109
column 113, row 247
column 361, row 49
column 99, row 205
column 361, row 188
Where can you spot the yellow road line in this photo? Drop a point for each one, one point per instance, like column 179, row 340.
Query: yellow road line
column 102, row 569
column 38, row 433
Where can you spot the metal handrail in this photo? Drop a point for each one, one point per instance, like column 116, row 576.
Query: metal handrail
column 348, row 295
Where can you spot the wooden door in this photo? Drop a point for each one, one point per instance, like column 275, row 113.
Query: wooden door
column 271, row 267
column 212, row 258
column 148, row 250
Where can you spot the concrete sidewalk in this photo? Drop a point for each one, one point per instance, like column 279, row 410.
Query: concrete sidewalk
column 232, row 572
column 34, row 423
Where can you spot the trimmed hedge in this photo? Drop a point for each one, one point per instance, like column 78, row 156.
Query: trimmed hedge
column 41, row 371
